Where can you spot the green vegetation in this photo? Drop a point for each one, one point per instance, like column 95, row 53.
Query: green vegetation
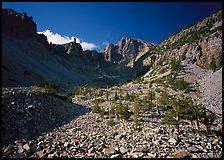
column 183, row 109
column 83, row 90
column 136, row 112
column 179, row 84
column 146, row 106
column 220, row 60
column 102, row 112
column 116, row 96
column 158, row 90
column 213, row 64
column 207, row 118
column 175, row 115
column 107, row 95
column 96, row 108
column 110, row 122
column 174, row 65
column 50, row 88
column 114, row 134
column 122, row 112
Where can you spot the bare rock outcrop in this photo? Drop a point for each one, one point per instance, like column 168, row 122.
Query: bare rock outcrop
column 18, row 24
column 127, row 51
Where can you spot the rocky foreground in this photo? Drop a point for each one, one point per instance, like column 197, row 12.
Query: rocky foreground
column 45, row 126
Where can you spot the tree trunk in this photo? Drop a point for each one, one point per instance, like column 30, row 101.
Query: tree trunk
column 207, row 129
column 192, row 124
column 197, row 125
column 177, row 128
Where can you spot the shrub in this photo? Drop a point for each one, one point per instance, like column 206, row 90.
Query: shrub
column 101, row 92
column 102, row 112
column 174, row 65
column 127, row 96
column 96, row 108
column 158, row 90
column 145, row 105
column 116, row 96
column 49, row 88
column 181, row 84
column 122, row 111
column 110, row 122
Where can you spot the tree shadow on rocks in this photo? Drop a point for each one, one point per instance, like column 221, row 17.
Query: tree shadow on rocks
column 42, row 114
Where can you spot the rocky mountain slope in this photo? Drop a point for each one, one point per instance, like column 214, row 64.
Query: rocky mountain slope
column 127, row 51
column 197, row 43
column 125, row 121
column 29, row 58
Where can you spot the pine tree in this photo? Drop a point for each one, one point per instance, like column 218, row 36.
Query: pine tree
column 220, row 60
column 107, row 95
column 151, row 96
column 96, row 108
column 207, row 118
column 145, row 105
column 116, row 96
column 175, row 115
column 111, row 116
column 164, row 98
column 120, row 90
column 127, row 96
column 193, row 113
column 158, row 104
column 213, row 63
column 136, row 112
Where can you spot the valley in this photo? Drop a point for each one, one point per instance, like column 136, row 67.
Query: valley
column 146, row 101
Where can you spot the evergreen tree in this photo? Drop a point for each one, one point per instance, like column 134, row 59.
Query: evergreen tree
column 175, row 115
column 174, row 64
column 127, row 96
column 136, row 112
column 116, row 96
column 207, row 118
column 96, row 108
column 193, row 113
column 107, row 95
column 213, row 63
column 158, row 104
column 164, row 98
column 120, row 90
column 145, row 105
column 220, row 60
column 151, row 96
column 111, row 116
column 122, row 111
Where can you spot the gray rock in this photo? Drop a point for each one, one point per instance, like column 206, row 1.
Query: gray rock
column 193, row 149
column 179, row 154
column 215, row 141
column 115, row 156
column 110, row 150
column 150, row 155
column 20, row 151
column 19, row 110
column 172, row 141
column 26, row 147
column 40, row 154
column 123, row 149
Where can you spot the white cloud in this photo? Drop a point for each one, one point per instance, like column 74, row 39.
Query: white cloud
column 56, row 38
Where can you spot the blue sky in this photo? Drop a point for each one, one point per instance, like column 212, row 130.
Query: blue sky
column 98, row 23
